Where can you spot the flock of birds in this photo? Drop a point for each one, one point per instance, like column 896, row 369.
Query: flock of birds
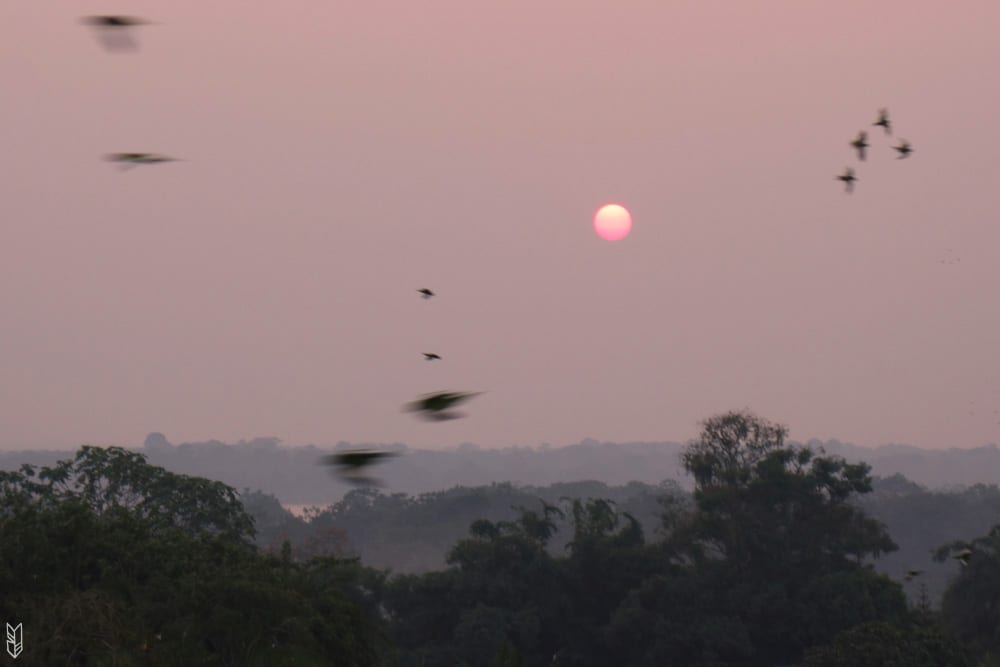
column 861, row 146
column 115, row 33
column 437, row 406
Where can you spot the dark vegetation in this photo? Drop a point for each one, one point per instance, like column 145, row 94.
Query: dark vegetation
column 108, row 560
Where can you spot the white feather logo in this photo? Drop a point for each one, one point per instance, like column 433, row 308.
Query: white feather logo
column 15, row 640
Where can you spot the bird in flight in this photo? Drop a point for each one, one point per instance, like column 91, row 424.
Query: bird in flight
column 127, row 160
column 861, row 143
column 437, row 406
column 910, row 574
column 848, row 178
column 430, row 356
column 426, row 293
column 883, row 120
column 351, row 465
column 114, row 32
column 904, row 149
column 963, row 556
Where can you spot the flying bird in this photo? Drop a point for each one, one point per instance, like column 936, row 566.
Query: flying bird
column 848, row 178
column 910, row 574
column 351, row 465
column 436, row 407
column 904, row 149
column 115, row 32
column 883, row 120
column 426, row 293
column 963, row 556
column 861, row 143
column 430, row 356
column 128, row 160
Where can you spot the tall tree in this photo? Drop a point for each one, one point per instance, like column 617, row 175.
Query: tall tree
column 775, row 546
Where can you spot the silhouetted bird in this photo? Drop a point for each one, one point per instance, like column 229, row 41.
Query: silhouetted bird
column 426, row 293
column 115, row 32
column 963, row 556
column 861, row 144
column 848, row 178
column 904, row 149
column 127, row 160
column 435, row 406
column 883, row 120
column 910, row 574
column 351, row 465
column 430, row 356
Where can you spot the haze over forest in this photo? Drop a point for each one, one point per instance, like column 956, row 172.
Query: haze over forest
column 294, row 476
column 906, row 564
column 410, row 523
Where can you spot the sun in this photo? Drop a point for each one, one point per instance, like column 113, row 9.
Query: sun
column 612, row 222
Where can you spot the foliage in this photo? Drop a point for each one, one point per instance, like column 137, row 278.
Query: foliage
column 971, row 604
column 772, row 555
column 881, row 644
column 107, row 560
column 769, row 561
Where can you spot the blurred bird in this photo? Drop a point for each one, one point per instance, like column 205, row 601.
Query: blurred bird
column 115, row 32
column 963, row 556
column 848, row 178
column 351, row 465
column 904, row 149
column 910, row 574
column 430, row 356
column 861, row 144
column 128, row 160
column 426, row 293
column 883, row 120
column 435, row 407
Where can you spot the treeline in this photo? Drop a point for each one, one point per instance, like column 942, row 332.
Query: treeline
column 413, row 534
column 109, row 560
column 293, row 474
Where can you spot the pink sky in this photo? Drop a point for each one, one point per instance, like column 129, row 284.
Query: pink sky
column 342, row 155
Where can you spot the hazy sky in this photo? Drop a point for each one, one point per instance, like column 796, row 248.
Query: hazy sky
column 342, row 155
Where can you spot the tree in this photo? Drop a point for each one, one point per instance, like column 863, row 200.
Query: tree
column 109, row 560
column 607, row 559
column 762, row 503
column 773, row 543
column 106, row 479
column 502, row 588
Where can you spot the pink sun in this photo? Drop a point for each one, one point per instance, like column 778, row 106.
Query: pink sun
column 612, row 222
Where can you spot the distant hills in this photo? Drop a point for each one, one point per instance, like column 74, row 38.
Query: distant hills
column 295, row 477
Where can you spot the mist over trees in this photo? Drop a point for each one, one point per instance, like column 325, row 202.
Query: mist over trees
column 291, row 473
column 776, row 555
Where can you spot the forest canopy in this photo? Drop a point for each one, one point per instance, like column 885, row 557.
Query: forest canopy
column 107, row 559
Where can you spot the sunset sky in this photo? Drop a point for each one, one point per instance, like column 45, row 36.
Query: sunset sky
column 340, row 156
